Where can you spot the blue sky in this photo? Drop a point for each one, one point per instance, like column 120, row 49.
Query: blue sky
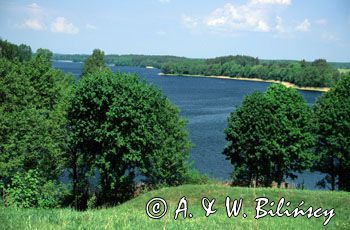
column 270, row 29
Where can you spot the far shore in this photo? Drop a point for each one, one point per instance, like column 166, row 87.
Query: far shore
column 288, row 84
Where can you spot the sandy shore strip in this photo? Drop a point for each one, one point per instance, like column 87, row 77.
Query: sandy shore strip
column 288, row 84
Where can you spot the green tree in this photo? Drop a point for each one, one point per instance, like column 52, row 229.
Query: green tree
column 94, row 63
column 29, row 189
column 13, row 52
column 332, row 122
column 269, row 136
column 32, row 117
column 121, row 126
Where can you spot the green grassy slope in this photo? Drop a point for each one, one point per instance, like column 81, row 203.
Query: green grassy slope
column 132, row 215
column 344, row 70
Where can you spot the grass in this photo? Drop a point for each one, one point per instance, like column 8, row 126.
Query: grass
column 344, row 70
column 132, row 215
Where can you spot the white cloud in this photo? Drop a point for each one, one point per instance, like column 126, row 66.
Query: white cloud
column 35, row 17
column 189, row 22
column 90, row 26
column 284, row 29
column 304, row 26
column 271, row 2
column 245, row 17
column 61, row 25
column 164, row 1
column 44, row 19
column 216, row 21
column 262, row 26
column 33, row 24
column 35, row 10
column 34, row 6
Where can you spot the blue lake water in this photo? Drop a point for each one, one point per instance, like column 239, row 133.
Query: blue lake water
column 205, row 103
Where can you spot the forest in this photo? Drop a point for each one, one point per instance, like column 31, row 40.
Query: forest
column 124, row 60
column 318, row 73
column 310, row 74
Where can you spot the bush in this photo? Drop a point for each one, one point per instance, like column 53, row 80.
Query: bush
column 92, row 202
column 195, row 177
column 30, row 190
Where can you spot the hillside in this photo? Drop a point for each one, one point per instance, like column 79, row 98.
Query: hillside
column 132, row 215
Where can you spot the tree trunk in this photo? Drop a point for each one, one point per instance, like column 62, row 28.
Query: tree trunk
column 343, row 180
column 75, row 180
column 333, row 175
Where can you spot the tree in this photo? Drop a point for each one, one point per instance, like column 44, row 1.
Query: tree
column 332, row 123
column 13, row 52
column 269, row 136
column 120, row 127
column 32, row 117
column 94, row 63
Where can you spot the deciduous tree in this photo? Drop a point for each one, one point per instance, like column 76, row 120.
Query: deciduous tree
column 269, row 136
column 122, row 126
column 94, row 63
column 332, row 122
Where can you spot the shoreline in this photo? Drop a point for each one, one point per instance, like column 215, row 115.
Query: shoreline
column 287, row 84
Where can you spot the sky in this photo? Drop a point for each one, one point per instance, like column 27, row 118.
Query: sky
column 268, row 29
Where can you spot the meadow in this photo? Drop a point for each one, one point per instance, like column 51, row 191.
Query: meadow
column 132, row 214
column 344, row 71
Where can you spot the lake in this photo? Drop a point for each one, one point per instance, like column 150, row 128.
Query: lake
column 206, row 104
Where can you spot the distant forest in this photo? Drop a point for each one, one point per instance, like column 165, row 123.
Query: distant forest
column 127, row 60
column 318, row 73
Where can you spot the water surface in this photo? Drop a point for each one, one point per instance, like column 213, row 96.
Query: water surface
column 205, row 103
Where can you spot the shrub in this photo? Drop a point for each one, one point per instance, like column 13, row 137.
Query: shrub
column 30, row 190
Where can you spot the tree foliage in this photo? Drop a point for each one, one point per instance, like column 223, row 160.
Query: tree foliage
column 269, row 136
column 126, row 60
column 32, row 117
column 121, row 126
column 332, row 122
column 29, row 189
column 15, row 52
column 318, row 73
column 241, row 60
column 94, row 63
column 113, row 129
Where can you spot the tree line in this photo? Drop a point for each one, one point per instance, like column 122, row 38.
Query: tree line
column 313, row 74
column 124, row 60
column 108, row 131
column 318, row 73
column 11, row 51
column 158, row 60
